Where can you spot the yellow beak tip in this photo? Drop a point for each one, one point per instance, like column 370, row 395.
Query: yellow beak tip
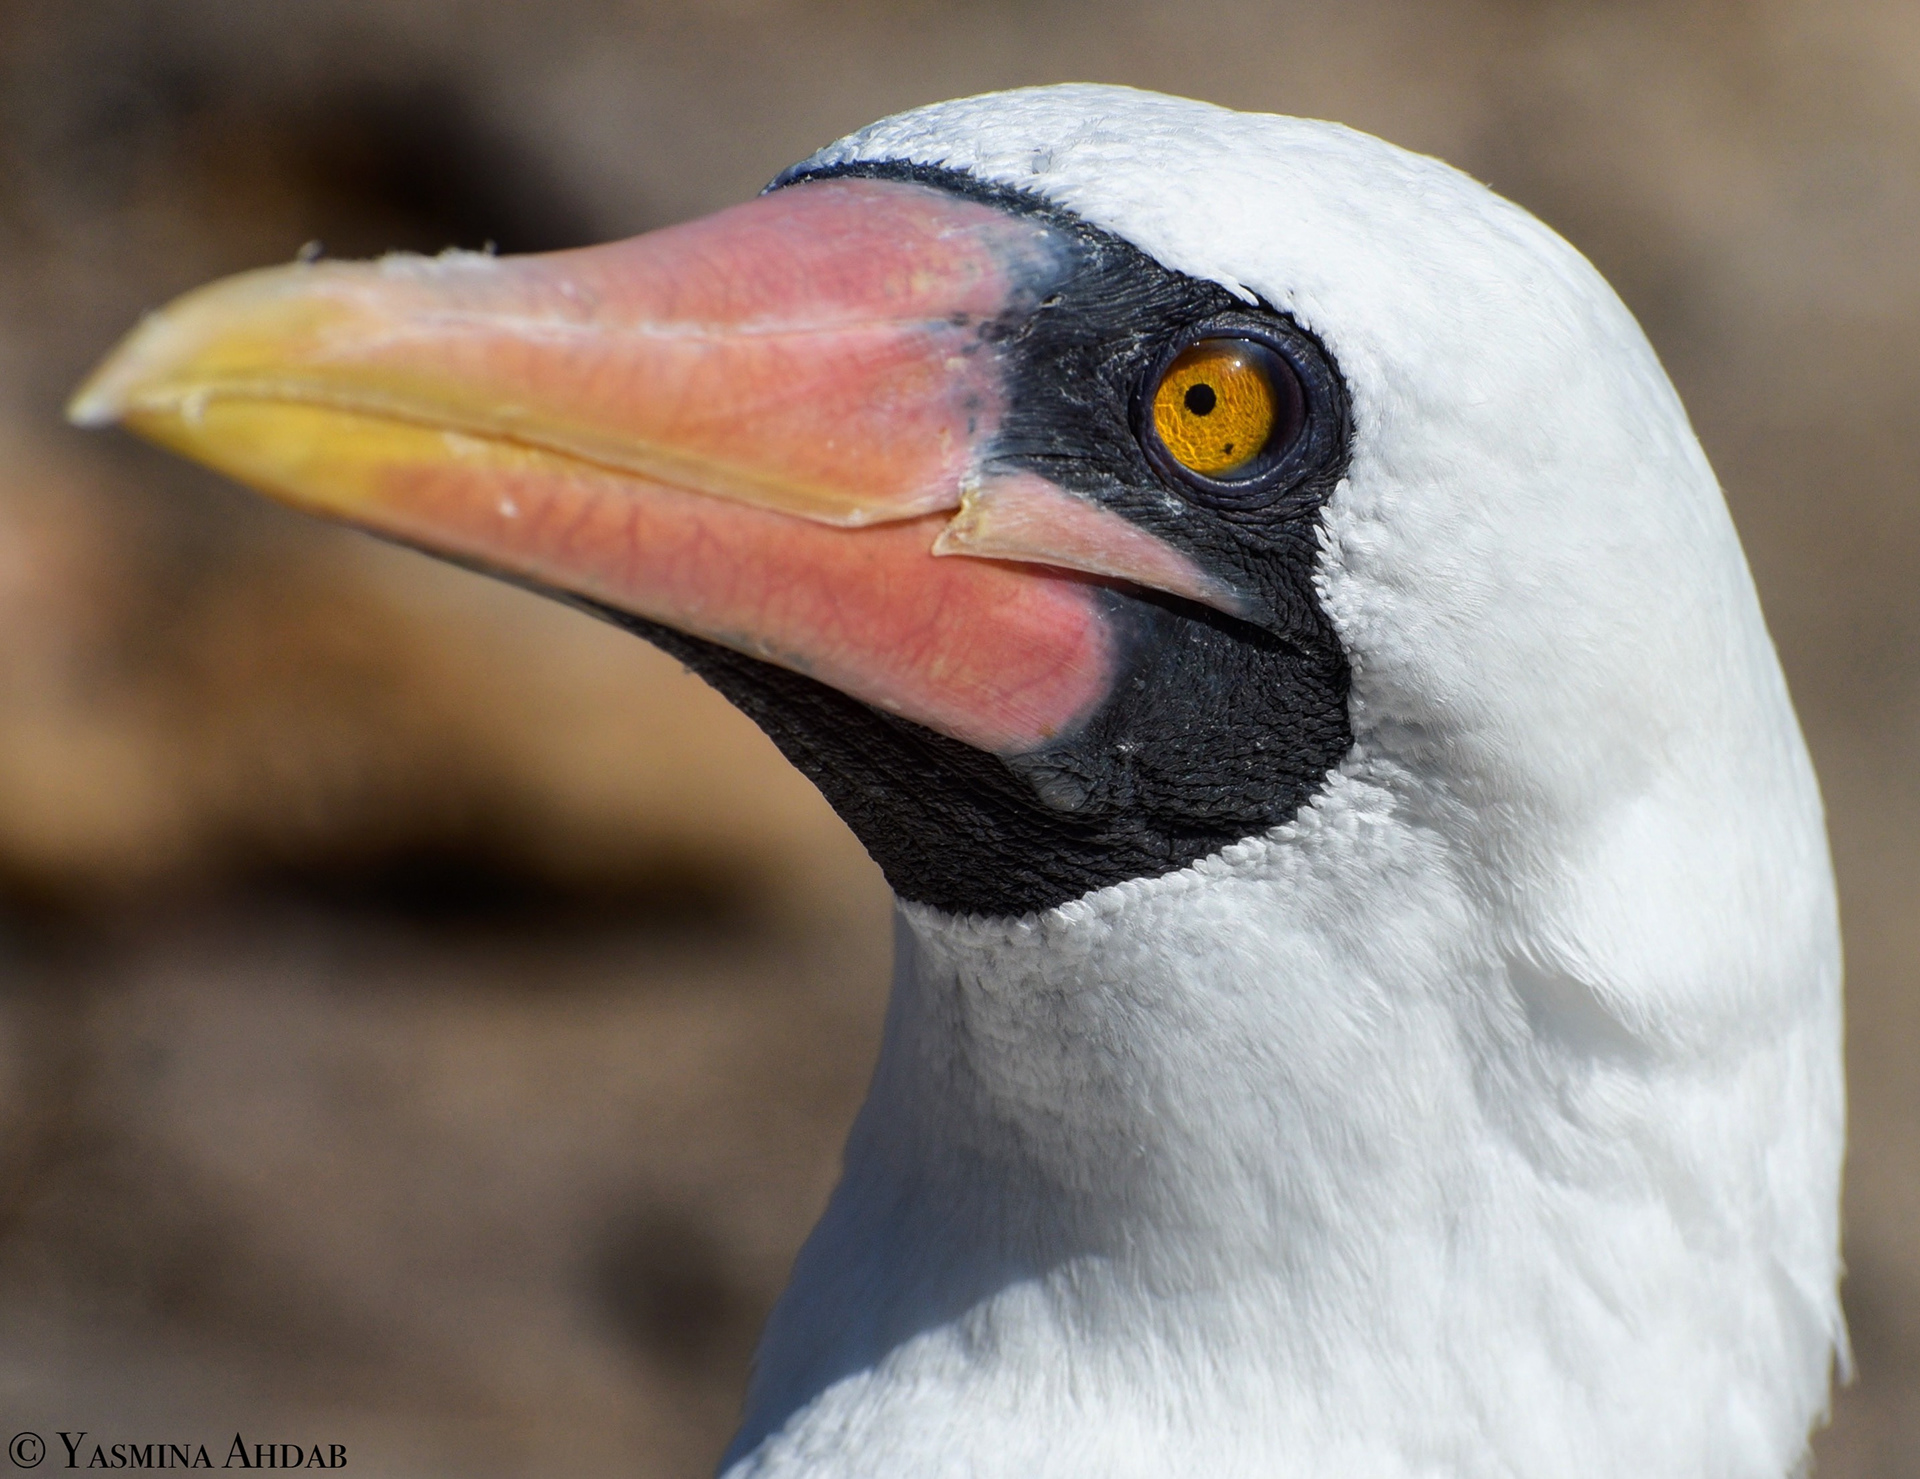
column 94, row 404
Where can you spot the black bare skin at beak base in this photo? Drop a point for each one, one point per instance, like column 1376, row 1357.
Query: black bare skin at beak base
column 1216, row 729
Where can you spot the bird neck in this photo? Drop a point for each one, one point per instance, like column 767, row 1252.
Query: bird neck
column 1204, row 1175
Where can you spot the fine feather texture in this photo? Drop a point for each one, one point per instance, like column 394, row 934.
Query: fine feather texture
column 1486, row 1118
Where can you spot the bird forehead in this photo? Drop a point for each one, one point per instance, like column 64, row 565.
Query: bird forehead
column 1372, row 247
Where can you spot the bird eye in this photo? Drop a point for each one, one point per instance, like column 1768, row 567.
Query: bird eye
column 1226, row 407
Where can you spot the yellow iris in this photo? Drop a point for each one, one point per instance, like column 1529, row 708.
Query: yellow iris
column 1216, row 406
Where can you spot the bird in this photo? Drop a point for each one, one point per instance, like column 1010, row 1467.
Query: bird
column 1367, row 990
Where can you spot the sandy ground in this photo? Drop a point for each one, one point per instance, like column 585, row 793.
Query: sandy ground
column 427, row 1019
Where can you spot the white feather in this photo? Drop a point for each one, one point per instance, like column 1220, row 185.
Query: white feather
column 1486, row 1119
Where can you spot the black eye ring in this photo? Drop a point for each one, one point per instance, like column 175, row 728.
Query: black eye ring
column 1303, row 436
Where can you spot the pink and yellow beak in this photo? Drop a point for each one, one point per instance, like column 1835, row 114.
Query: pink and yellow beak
column 764, row 428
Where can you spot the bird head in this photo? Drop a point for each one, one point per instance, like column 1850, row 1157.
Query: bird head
column 989, row 461
column 1005, row 530
column 1261, row 602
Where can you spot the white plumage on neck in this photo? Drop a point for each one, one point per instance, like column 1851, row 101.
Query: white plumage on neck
column 1486, row 1118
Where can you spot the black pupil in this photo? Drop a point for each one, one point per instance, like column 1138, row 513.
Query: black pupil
column 1201, row 399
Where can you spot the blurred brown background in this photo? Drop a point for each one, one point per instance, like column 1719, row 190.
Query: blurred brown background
column 427, row 1018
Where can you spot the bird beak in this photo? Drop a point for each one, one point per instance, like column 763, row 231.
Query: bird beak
column 755, row 428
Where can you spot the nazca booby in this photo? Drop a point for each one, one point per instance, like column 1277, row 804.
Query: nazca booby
column 1368, row 988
